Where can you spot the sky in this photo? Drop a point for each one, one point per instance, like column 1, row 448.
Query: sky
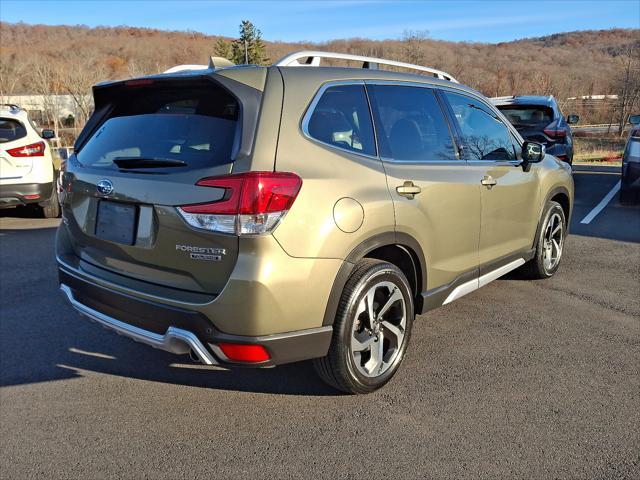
column 318, row 21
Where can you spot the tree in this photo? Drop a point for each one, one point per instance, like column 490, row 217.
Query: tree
column 627, row 86
column 413, row 42
column 223, row 49
column 249, row 48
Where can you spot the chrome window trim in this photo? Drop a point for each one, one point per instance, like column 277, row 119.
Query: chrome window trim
column 304, row 124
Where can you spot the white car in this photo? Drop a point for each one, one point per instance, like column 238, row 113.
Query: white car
column 27, row 167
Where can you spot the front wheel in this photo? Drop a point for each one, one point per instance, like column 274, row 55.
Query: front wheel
column 549, row 243
column 371, row 330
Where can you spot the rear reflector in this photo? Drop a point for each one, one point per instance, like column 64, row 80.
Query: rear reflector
column 35, row 196
column 253, row 203
column 237, row 352
column 137, row 83
column 32, row 150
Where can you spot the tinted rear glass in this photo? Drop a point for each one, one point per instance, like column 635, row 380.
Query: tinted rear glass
column 195, row 126
column 11, row 130
column 527, row 114
column 342, row 119
column 410, row 124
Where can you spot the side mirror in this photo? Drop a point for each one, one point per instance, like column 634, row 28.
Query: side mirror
column 533, row 152
column 573, row 119
column 634, row 119
column 48, row 134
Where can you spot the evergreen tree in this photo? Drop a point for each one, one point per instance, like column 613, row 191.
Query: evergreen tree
column 249, row 48
column 223, row 49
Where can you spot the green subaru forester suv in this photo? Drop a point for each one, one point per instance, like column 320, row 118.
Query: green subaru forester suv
column 263, row 215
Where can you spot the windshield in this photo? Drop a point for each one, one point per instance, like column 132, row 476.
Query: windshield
column 191, row 128
column 525, row 115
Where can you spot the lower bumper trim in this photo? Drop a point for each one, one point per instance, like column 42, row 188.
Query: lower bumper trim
column 174, row 340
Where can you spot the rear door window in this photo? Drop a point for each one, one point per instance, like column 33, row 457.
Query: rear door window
column 484, row 135
column 11, row 130
column 342, row 119
column 193, row 127
column 410, row 124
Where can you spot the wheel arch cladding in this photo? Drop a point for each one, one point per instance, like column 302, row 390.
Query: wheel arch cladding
column 402, row 250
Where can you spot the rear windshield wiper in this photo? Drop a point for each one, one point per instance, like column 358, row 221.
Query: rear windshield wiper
column 138, row 162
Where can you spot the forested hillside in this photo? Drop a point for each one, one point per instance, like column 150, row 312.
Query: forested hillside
column 68, row 59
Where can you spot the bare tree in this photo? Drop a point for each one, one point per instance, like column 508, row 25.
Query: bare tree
column 627, row 85
column 77, row 81
column 414, row 45
column 45, row 78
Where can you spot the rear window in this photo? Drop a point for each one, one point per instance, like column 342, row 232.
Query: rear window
column 184, row 127
column 342, row 119
column 523, row 115
column 11, row 130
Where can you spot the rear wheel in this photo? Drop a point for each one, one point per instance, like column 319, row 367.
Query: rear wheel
column 549, row 244
column 51, row 208
column 371, row 330
column 628, row 196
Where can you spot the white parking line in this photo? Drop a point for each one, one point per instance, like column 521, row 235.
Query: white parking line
column 603, row 203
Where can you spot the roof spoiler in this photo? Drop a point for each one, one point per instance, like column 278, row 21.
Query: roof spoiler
column 215, row 63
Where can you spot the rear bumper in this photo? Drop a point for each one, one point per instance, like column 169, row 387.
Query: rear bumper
column 562, row 151
column 24, row 193
column 181, row 331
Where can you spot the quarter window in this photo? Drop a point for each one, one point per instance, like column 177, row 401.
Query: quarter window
column 342, row 119
column 485, row 136
column 410, row 124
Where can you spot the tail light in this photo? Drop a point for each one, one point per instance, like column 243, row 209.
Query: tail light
column 253, row 203
column 32, row 150
column 553, row 131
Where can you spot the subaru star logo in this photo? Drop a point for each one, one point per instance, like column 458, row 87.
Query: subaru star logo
column 105, row 187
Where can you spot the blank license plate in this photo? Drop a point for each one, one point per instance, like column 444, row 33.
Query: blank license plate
column 116, row 222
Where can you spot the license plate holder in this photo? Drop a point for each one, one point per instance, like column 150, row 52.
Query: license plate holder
column 116, row 222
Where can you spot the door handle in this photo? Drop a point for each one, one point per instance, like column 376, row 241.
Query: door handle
column 488, row 181
column 408, row 189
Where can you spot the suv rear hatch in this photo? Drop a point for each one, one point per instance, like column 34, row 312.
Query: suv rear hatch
column 16, row 155
column 138, row 159
column 535, row 123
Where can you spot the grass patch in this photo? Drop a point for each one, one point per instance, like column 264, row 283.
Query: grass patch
column 604, row 150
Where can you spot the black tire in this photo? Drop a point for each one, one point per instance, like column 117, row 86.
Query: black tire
column 51, row 208
column 338, row 368
column 628, row 196
column 536, row 268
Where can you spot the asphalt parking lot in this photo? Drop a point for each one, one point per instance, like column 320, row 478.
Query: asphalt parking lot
column 520, row 379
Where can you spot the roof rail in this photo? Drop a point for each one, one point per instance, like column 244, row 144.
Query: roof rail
column 311, row 58
column 11, row 106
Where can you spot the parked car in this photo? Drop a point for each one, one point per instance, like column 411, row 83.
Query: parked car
column 539, row 119
column 630, row 178
column 27, row 167
column 263, row 215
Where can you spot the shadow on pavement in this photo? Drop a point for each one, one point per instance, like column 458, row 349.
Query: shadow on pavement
column 43, row 339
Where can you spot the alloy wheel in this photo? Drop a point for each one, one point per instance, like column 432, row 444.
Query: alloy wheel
column 553, row 241
column 378, row 329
